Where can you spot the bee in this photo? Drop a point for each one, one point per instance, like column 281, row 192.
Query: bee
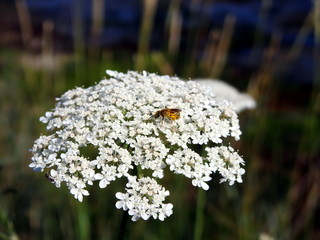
column 47, row 176
column 170, row 114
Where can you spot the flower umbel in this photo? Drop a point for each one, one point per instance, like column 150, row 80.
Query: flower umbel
column 144, row 198
column 116, row 117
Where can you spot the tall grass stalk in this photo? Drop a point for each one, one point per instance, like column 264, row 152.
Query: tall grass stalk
column 304, row 186
column 263, row 88
column 300, row 39
column 25, row 22
column 149, row 8
column 162, row 63
column 79, row 43
column 259, row 35
column 223, row 47
column 316, row 14
column 174, row 22
column 98, row 17
column 49, row 69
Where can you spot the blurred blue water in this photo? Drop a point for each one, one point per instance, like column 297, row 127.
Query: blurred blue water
column 254, row 18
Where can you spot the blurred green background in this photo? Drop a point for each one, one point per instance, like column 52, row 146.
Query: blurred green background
column 279, row 198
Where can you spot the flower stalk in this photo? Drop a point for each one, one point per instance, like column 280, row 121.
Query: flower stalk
column 198, row 228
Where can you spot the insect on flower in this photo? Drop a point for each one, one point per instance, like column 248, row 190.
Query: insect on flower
column 47, row 176
column 168, row 113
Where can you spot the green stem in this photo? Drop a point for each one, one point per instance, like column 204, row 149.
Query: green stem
column 125, row 216
column 124, row 220
column 139, row 172
column 83, row 221
column 123, row 226
column 198, row 229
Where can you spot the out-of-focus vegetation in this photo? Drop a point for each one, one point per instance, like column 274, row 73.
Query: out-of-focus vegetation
column 279, row 197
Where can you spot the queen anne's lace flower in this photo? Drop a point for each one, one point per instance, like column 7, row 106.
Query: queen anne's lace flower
column 144, row 198
column 115, row 118
column 222, row 90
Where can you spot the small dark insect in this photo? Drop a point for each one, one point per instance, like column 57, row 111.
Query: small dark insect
column 49, row 177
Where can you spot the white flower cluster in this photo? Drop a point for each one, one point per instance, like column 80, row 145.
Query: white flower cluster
column 222, row 90
column 144, row 198
column 116, row 118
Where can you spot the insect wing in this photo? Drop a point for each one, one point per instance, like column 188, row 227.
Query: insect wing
column 174, row 115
